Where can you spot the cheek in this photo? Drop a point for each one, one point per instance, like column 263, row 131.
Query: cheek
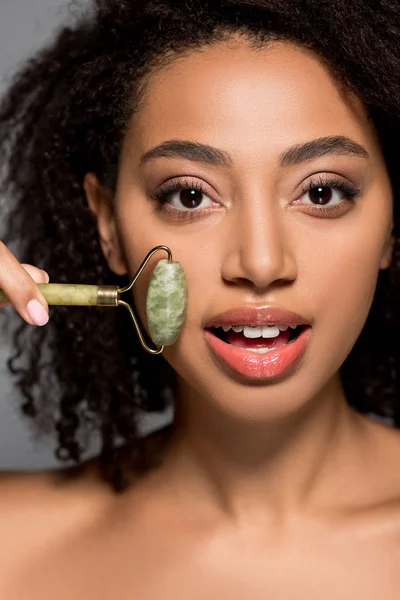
column 341, row 283
column 140, row 236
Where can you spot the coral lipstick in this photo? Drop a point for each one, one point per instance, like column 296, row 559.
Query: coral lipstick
column 277, row 362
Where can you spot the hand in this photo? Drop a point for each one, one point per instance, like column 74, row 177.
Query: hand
column 19, row 283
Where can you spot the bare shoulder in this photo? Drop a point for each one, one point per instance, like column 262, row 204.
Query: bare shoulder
column 39, row 510
column 43, row 512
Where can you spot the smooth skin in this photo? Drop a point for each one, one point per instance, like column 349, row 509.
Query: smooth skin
column 273, row 489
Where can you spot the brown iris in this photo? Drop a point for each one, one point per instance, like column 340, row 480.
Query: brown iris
column 321, row 195
column 190, row 198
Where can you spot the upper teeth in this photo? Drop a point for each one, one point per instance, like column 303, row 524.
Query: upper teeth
column 266, row 331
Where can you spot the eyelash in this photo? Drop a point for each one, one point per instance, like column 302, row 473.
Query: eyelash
column 350, row 193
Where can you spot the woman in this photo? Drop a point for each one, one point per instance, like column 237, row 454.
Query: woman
column 258, row 141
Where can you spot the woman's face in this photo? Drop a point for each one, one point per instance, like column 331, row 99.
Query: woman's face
column 244, row 227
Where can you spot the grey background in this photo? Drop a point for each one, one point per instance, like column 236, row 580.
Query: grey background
column 24, row 26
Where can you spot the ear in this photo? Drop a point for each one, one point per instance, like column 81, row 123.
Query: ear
column 387, row 253
column 99, row 199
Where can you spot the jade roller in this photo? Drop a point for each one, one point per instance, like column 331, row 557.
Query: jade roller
column 166, row 299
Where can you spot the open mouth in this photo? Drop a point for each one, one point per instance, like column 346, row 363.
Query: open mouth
column 258, row 339
column 259, row 352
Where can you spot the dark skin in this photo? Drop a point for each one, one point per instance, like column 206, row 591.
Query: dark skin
column 278, row 490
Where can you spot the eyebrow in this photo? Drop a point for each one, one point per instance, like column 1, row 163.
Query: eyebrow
column 202, row 153
column 190, row 151
column 333, row 145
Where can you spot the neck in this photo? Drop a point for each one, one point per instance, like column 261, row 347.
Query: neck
column 277, row 467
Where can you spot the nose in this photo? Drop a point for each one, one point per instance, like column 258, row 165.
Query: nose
column 259, row 248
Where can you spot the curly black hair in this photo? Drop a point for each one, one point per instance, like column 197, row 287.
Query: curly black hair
column 65, row 115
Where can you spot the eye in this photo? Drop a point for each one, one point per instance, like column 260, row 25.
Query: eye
column 182, row 199
column 323, row 195
column 187, row 198
column 328, row 196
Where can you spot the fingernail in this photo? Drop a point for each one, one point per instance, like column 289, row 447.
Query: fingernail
column 37, row 312
column 47, row 276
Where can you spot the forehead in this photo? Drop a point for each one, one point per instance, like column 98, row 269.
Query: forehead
column 278, row 94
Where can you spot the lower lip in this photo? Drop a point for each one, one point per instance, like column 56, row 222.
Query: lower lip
column 272, row 364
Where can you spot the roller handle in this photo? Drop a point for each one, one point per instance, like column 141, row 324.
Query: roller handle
column 68, row 294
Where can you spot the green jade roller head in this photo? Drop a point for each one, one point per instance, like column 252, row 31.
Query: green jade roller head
column 166, row 300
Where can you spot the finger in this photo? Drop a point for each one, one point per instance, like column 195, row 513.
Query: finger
column 38, row 275
column 19, row 284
